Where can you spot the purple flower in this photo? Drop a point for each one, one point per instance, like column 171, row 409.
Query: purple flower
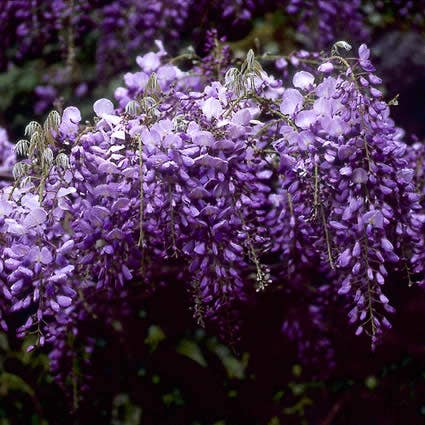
column 212, row 108
column 303, row 80
column 292, row 102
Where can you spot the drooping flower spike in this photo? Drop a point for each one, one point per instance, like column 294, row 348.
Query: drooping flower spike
column 239, row 184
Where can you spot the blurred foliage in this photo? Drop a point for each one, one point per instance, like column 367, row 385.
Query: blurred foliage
column 155, row 336
column 175, row 370
column 124, row 412
column 21, row 373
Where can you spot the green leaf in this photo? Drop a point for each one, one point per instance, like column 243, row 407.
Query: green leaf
column 4, row 343
column 124, row 412
column 296, row 388
column 297, row 369
column 371, row 382
column 299, row 407
column 235, row 367
column 35, row 420
column 191, row 349
column 117, row 325
column 278, row 396
column 155, row 336
column 12, row 382
column 173, row 399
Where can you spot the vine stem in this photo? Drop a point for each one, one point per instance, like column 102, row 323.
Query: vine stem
column 142, row 205
column 173, row 236
column 141, row 177
column 328, row 242
column 323, row 216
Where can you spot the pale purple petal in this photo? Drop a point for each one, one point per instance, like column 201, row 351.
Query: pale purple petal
column 326, row 67
column 360, row 176
column 305, row 119
column 64, row 301
column 103, row 107
column 36, row 217
column 292, row 101
column 387, row 245
column 345, row 258
column 149, row 62
column 45, row 256
column 242, row 117
column 212, row 108
column 364, row 52
column 72, row 114
column 64, row 191
column 303, row 80
column 5, row 208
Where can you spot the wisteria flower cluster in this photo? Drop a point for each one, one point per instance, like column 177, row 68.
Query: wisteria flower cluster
column 29, row 26
column 84, row 42
column 235, row 184
column 7, row 157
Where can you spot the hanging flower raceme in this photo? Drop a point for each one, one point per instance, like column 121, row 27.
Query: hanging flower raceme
column 232, row 185
column 7, row 158
column 348, row 186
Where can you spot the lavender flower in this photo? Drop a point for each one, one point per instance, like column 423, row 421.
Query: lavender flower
column 236, row 184
column 7, row 158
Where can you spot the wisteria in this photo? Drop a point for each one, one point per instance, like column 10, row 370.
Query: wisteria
column 235, row 181
column 7, row 157
column 27, row 26
column 212, row 212
column 329, row 19
column 68, row 33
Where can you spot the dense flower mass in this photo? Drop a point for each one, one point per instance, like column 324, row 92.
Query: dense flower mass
column 331, row 18
column 27, row 26
column 82, row 42
column 235, row 181
column 347, row 174
column 7, row 158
